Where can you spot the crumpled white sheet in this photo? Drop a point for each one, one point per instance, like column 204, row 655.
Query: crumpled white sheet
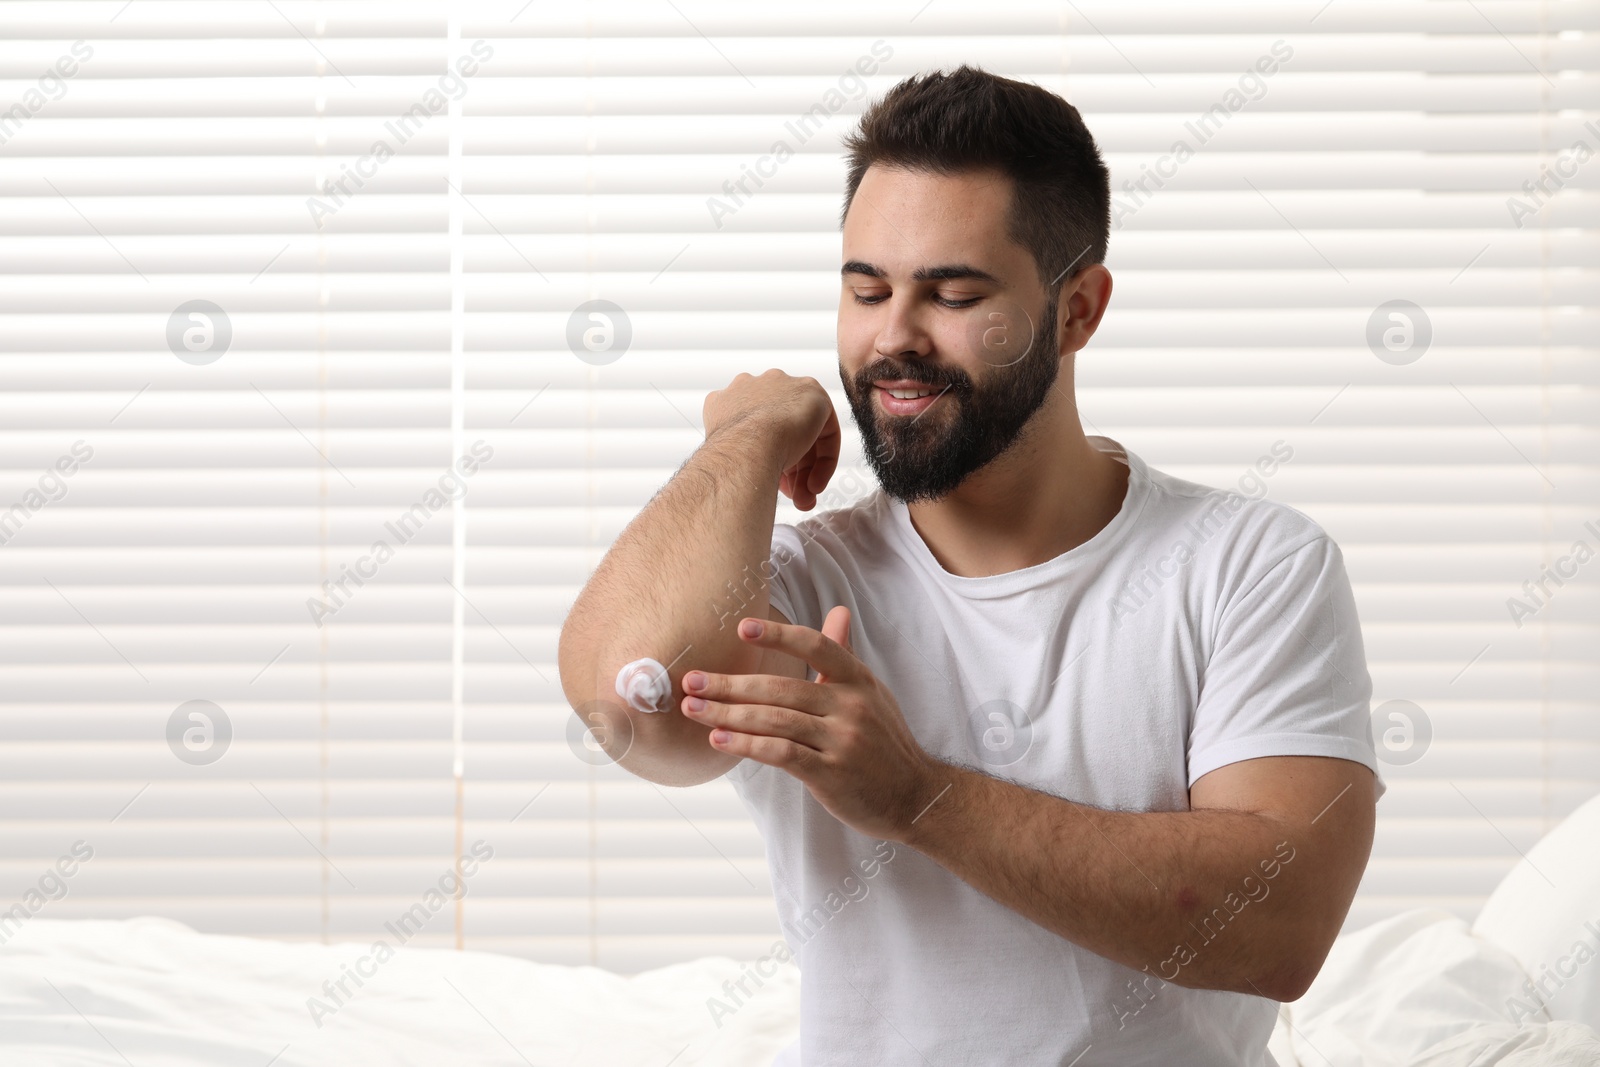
column 1417, row 990
column 1507, row 1045
column 155, row 993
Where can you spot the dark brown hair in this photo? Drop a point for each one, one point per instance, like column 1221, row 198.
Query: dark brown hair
column 970, row 120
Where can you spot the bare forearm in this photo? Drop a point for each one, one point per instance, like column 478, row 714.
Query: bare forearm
column 1208, row 899
column 657, row 592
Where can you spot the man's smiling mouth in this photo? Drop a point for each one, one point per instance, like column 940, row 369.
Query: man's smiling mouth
column 908, row 398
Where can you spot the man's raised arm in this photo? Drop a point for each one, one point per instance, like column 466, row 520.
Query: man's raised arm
column 655, row 592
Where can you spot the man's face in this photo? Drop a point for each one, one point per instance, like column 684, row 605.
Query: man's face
column 936, row 298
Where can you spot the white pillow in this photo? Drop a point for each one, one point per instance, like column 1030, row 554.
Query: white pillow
column 1546, row 913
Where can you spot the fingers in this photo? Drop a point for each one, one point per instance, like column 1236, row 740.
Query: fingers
column 810, row 476
column 763, row 719
column 793, row 484
column 824, row 655
column 826, row 451
column 805, row 489
column 803, row 497
column 836, row 627
column 793, row 693
column 779, row 752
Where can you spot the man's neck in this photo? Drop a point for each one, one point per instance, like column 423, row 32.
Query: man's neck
column 1049, row 493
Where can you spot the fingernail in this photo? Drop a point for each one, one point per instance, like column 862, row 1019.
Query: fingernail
column 693, row 704
column 719, row 736
column 750, row 628
column 694, row 681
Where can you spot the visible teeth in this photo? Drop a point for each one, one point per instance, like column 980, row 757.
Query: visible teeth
column 908, row 394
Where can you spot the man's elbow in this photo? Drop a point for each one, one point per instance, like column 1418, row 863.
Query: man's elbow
column 1290, row 977
column 1286, row 985
column 666, row 749
column 575, row 666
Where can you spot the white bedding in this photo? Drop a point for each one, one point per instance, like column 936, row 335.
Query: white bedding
column 1417, row 989
column 155, row 993
column 1421, row 989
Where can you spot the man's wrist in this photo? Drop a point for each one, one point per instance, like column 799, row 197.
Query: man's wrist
column 929, row 801
column 745, row 441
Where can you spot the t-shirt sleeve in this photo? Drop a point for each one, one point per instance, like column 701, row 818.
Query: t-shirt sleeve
column 790, row 588
column 1287, row 675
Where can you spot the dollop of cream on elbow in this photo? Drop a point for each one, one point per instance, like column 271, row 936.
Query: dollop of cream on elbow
column 645, row 685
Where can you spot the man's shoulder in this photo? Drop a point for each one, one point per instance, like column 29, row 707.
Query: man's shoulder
column 1238, row 525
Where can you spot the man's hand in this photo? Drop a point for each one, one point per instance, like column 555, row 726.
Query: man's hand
column 798, row 415
column 843, row 735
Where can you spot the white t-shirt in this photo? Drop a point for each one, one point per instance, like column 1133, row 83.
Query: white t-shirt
column 1198, row 628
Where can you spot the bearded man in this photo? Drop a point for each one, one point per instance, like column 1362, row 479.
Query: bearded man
column 1111, row 726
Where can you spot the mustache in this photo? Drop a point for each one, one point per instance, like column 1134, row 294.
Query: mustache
column 955, row 381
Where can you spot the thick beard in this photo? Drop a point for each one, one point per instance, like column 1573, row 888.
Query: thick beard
column 916, row 458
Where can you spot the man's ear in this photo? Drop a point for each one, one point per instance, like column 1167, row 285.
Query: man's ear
column 1084, row 298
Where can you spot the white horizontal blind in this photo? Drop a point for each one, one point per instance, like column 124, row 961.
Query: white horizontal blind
column 390, row 312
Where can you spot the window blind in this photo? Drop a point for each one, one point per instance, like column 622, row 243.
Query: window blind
column 341, row 339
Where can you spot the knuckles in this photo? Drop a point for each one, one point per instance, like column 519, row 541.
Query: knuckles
column 791, row 753
column 849, row 737
column 786, row 692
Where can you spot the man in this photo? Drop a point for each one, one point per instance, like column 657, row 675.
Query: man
column 1094, row 738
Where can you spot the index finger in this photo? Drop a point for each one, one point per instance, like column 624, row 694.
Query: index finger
column 825, row 655
column 826, row 449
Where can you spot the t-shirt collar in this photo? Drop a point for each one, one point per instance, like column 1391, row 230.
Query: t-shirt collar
column 1090, row 553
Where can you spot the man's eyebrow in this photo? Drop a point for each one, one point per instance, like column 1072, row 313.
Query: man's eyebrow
column 952, row 272
column 949, row 272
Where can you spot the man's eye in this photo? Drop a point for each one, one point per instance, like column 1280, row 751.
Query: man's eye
column 957, row 302
column 870, row 299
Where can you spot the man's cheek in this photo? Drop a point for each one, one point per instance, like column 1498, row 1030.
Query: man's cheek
column 857, row 335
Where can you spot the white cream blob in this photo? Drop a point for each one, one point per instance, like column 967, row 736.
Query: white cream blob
column 645, row 685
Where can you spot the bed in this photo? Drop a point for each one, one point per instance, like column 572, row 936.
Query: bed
column 1421, row 989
